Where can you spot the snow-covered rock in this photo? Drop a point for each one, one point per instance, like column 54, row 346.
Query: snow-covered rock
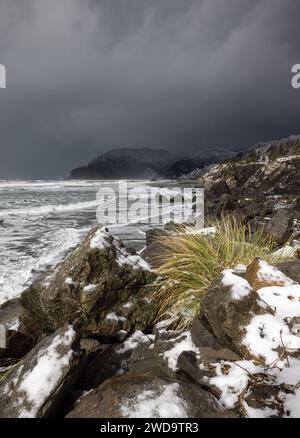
column 39, row 382
column 144, row 396
column 265, row 382
column 228, row 307
column 260, row 274
column 91, row 286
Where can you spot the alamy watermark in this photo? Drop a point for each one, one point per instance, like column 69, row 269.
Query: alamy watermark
column 126, row 205
column 2, row 76
column 296, row 78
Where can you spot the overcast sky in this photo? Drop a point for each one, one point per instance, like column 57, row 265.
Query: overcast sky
column 86, row 76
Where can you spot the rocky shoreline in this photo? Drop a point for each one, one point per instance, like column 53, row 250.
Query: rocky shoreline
column 82, row 342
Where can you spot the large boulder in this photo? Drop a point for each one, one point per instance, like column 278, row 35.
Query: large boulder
column 100, row 286
column 254, row 324
column 38, row 384
column 146, row 396
column 228, row 306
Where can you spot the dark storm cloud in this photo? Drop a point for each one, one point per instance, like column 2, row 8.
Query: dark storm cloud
column 85, row 76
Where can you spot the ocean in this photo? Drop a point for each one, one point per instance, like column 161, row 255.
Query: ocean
column 41, row 221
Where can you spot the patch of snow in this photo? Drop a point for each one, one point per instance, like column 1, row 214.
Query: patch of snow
column 233, row 382
column 13, row 325
column 259, row 413
column 265, row 334
column 134, row 340
column 289, row 250
column 182, row 343
column 292, row 404
column 114, row 317
column 69, row 281
column 285, row 301
column 240, row 287
column 161, row 325
column 90, row 287
column 127, row 305
column 240, row 269
column 290, row 375
column 209, row 231
column 149, row 404
column 135, row 261
column 100, row 239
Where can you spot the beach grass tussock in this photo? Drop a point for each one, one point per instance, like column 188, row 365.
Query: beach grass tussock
column 191, row 259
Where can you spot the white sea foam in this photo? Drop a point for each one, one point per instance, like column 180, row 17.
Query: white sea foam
column 20, row 267
column 48, row 209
